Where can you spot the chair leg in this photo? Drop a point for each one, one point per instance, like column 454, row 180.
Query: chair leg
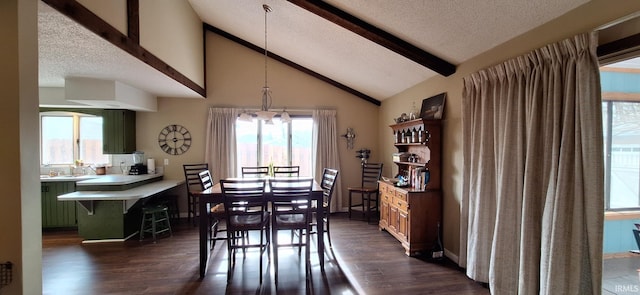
column 327, row 229
column 363, row 199
column 274, row 240
column 349, row 204
column 142, row 227
column 153, row 226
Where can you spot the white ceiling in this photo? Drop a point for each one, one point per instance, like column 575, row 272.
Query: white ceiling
column 454, row 30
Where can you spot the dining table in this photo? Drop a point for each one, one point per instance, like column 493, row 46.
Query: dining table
column 213, row 196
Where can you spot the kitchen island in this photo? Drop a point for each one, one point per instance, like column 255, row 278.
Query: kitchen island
column 108, row 214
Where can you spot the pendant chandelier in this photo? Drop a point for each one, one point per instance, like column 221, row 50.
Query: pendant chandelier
column 264, row 113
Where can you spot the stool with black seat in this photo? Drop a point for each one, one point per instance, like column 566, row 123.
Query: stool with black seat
column 368, row 190
column 171, row 201
column 155, row 220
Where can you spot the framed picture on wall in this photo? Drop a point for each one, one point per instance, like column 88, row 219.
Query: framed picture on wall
column 433, row 107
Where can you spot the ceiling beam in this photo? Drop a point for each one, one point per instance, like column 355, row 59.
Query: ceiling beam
column 83, row 16
column 291, row 64
column 376, row 35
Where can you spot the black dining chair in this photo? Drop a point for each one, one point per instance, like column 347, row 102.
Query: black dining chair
column 192, row 182
column 286, row 171
column 328, row 182
column 216, row 212
column 368, row 190
column 246, row 211
column 257, row 171
column 291, row 210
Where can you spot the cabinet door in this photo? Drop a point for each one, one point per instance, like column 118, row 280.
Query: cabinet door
column 384, row 214
column 403, row 225
column 118, row 131
column 393, row 218
column 57, row 213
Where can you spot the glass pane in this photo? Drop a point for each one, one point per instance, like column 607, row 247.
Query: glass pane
column 91, row 141
column 274, row 147
column 625, row 155
column 301, row 130
column 57, row 140
column 246, row 144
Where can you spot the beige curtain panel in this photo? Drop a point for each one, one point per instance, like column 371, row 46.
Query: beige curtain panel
column 533, row 204
column 220, row 148
column 325, row 150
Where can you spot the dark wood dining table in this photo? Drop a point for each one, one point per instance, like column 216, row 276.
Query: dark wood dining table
column 213, row 196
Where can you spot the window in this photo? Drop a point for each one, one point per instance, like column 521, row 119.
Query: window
column 621, row 129
column 67, row 137
column 280, row 144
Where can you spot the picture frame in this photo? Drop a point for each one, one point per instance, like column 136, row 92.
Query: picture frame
column 433, row 107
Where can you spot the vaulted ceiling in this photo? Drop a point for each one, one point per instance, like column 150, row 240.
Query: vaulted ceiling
column 374, row 47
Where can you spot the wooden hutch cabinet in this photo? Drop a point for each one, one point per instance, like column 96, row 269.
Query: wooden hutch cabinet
column 411, row 214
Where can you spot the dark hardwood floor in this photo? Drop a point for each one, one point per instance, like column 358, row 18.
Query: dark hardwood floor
column 363, row 261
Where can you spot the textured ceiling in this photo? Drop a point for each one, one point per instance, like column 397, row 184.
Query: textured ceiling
column 454, row 30
column 67, row 49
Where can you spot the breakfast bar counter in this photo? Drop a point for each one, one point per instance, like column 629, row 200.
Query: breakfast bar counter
column 114, row 215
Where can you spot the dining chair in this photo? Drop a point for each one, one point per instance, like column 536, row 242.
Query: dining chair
column 192, row 182
column 216, row 212
column 368, row 190
column 246, row 211
column 258, row 171
column 288, row 212
column 328, row 182
column 286, row 171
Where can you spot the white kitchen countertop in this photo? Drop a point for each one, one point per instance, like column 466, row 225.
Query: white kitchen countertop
column 116, row 179
column 92, row 179
column 135, row 193
column 129, row 197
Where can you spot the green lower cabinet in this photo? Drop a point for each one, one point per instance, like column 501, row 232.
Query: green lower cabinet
column 57, row 214
column 108, row 221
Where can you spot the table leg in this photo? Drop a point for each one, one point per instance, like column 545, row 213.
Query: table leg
column 204, row 245
column 320, row 229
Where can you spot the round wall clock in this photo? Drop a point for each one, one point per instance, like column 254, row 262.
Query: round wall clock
column 174, row 139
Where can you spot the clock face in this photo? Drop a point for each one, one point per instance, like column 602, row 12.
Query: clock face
column 174, row 139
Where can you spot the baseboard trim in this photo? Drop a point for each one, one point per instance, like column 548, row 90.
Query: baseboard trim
column 453, row 257
column 109, row 240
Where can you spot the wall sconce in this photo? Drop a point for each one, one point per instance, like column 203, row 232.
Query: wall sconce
column 350, row 136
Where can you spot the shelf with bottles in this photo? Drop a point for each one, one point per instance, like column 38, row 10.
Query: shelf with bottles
column 421, row 151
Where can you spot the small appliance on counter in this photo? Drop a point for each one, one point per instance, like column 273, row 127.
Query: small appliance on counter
column 138, row 167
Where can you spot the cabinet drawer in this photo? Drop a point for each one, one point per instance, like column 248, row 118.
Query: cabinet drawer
column 387, row 198
column 401, row 195
column 400, row 204
column 385, row 188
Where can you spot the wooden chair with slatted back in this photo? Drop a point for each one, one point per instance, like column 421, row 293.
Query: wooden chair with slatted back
column 246, row 210
column 328, row 182
column 368, row 190
column 286, row 171
column 192, row 182
column 288, row 213
column 216, row 212
column 258, row 171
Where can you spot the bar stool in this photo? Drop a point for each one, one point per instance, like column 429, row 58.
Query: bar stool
column 171, row 201
column 155, row 220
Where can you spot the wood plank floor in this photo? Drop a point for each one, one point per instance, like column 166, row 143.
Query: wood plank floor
column 363, row 261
